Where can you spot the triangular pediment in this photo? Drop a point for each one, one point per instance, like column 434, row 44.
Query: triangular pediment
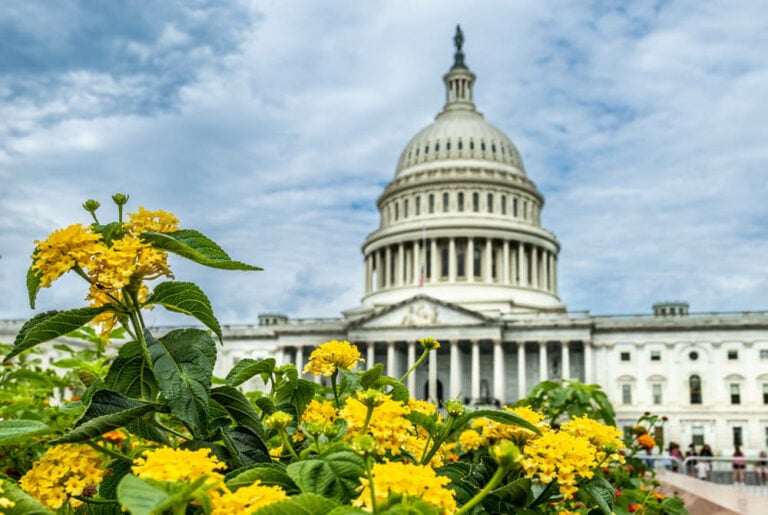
column 422, row 311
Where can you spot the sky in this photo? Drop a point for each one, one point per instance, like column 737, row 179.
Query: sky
column 273, row 126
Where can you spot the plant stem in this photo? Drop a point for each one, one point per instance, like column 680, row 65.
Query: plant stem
column 367, row 419
column 369, row 475
column 108, row 452
column 333, row 385
column 287, row 443
column 413, row 367
column 495, row 480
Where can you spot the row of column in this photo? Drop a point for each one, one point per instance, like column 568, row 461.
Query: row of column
column 476, row 374
column 483, row 260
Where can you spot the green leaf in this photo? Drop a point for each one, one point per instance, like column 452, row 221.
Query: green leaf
column 504, row 417
column 12, row 430
column 247, row 368
column 183, row 362
column 266, row 405
column 33, row 285
column 399, row 391
column 139, row 497
column 117, row 470
column 602, row 492
column 298, row 393
column 347, row 510
column 110, row 232
column 269, row 474
column 245, row 446
column 234, row 403
column 143, row 428
column 196, row 247
column 25, row 503
column 108, row 411
column 130, row 374
column 335, row 475
column 423, row 420
column 186, row 298
column 515, row 492
column 302, row 504
column 52, row 324
column 370, row 376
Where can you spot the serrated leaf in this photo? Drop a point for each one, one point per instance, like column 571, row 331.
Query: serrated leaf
column 117, row 469
column 398, row 392
column 266, row 405
column 246, row 446
column 148, row 431
column 247, row 368
column 370, row 376
column 25, row 503
column 139, row 497
column 302, row 504
column 234, row 403
column 12, row 430
column 186, row 298
column 602, row 492
column 183, row 362
column 196, row 247
column 52, row 324
column 33, row 286
column 298, row 393
column 335, row 475
column 268, row 474
column 130, row 374
column 423, row 420
column 108, row 411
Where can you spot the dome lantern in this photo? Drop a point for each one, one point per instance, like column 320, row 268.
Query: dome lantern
column 459, row 80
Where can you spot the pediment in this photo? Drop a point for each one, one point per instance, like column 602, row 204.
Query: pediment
column 422, row 311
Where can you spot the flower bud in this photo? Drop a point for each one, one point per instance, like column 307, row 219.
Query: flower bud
column 364, row 445
column 506, row 454
column 429, row 343
column 371, row 398
column 278, row 420
column 120, row 199
column 314, row 429
column 454, row 408
column 331, row 430
column 91, row 205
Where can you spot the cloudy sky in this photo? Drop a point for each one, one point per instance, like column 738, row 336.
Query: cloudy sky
column 272, row 126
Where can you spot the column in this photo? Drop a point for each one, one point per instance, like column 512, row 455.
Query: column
column 470, row 266
column 512, row 267
column 498, row 371
column 300, row 360
column 455, row 387
column 554, row 273
column 391, row 357
column 522, row 266
column 534, row 266
column 400, row 265
column 521, row 390
column 452, row 260
column 545, row 270
column 566, row 350
column 370, row 354
column 368, row 274
column 488, row 260
column 433, row 265
column 416, row 264
column 588, row 362
column 432, row 376
column 389, row 280
column 543, row 361
column 505, row 262
column 377, row 267
column 411, row 360
column 475, row 370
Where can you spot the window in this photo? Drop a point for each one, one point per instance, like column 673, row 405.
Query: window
column 766, row 436
column 445, row 202
column 444, row 261
column 697, row 435
column 738, row 436
column 525, row 209
column 656, row 390
column 655, row 355
column 503, row 204
column 765, row 393
column 461, row 202
column 625, row 356
column 418, row 205
column 626, row 394
column 763, row 353
column 476, row 257
column 461, row 259
column 475, row 202
column 693, row 355
column 405, row 208
column 733, row 354
column 694, row 389
column 431, row 203
column 471, row 145
column 448, row 145
column 397, row 210
column 459, row 144
column 514, row 207
column 490, row 202
column 735, row 393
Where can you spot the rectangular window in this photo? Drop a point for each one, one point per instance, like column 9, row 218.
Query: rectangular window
column 444, row 261
column 624, row 356
column 733, row 354
column 418, row 206
column 656, row 393
column 490, row 202
column 655, row 355
column 475, row 202
column 765, row 393
column 626, row 394
column 503, row 204
column 514, row 207
column 697, row 435
column 763, row 353
column 431, row 203
column 405, row 208
column 735, row 393
column 461, row 259
column 445, row 202
column 461, row 202
column 738, row 436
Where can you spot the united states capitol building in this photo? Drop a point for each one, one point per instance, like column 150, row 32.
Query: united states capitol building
column 460, row 255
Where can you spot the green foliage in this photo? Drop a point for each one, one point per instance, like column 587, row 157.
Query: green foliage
column 335, row 475
column 568, row 399
column 196, row 247
column 51, row 324
column 186, row 298
column 303, row 504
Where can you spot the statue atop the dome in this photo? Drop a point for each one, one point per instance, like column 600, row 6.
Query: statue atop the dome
column 458, row 57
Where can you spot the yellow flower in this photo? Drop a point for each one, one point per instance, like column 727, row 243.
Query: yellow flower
column 168, row 464
column 562, row 457
column 388, row 425
column 606, row 439
column 278, row 420
column 62, row 473
column 419, row 481
column 246, row 499
column 470, row 440
column 322, row 413
column 62, row 250
column 144, row 220
column 331, row 356
column 429, row 343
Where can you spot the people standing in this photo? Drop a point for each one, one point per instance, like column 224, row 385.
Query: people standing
column 761, row 468
column 690, row 464
column 706, row 451
column 739, row 465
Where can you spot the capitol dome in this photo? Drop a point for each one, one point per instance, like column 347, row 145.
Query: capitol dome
column 460, row 222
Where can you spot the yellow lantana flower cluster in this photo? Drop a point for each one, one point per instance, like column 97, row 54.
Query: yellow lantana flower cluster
column 169, row 464
column 330, row 356
column 606, row 439
column 62, row 473
column 387, row 424
column 410, row 480
column 246, row 499
column 320, row 412
column 560, row 456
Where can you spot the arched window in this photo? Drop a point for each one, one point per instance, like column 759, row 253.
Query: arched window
column 475, row 202
column 418, row 205
column 490, row 202
column 460, row 202
column 405, row 208
column 694, row 388
column 431, row 203
column 445, row 202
